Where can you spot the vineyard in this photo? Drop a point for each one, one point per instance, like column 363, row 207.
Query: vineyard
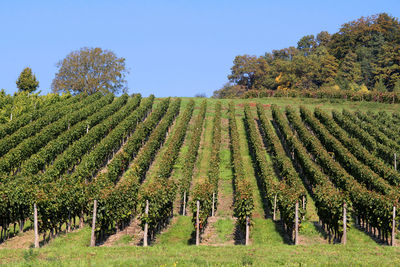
column 192, row 181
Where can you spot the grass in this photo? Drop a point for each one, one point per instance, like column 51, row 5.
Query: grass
column 264, row 232
column 225, row 186
column 272, row 253
column 224, row 228
column 178, row 234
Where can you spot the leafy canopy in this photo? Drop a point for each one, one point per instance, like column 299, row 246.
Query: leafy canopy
column 27, row 81
column 90, row 70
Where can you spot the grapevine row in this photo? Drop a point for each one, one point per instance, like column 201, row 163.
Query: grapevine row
column 383, row 123
column 121, row 161
column 291, row 189
column 191, row 155
column 353, row 166
column 31, row 145
column 328, row 199
column 33, row 128
column 13, row 125
column 265, row 171
column 160, row 192
column 369, row 205
column 91, row 162
column 48, row 153
column 118, row 200
column 206, row 188
column 83, row 191
column 74, row 153
column 373, row 130
column 354, row 130
column 355, row 147
column 243, row 190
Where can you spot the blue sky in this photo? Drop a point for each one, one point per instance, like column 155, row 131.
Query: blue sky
column 172, row 48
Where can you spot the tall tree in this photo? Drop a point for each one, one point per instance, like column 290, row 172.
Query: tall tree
column 323, row 38
column 90, row 70
column 328, row 66
column 380, row 86
column 249, row 71
column 27, row 81
column 350, row 70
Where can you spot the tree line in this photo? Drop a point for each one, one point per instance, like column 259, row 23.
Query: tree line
column 364, row 55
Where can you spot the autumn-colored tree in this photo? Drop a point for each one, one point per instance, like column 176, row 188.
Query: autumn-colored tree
column 363, row 55
column 27, row 81
column 90, row 70
column 328, row 66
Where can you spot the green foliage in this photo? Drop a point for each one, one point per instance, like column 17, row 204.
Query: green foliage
column 364, row 51
column 48, row 153
column 90, row 70
column 11, row 141
column 30, row 146
column 369, row 135
column 204, row 188
column 21, row 108
column 243, row 190
column 27, row 81
column 396, row 88
column 353, row 166
column 356, row 148
column 290, row 190
column 191, row 155
column 380, row 86
column 369, row 205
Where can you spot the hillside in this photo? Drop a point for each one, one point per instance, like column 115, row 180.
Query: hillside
column 146, row 162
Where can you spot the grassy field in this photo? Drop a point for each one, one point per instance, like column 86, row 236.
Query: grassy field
column 269, row 246
column 72, row 250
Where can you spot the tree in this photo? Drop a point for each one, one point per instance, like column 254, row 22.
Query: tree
column 27, row 81
column 229, row 91
column 323, row 38
column 306, row 44
column 396, row 88
column 90, row 70
column 349, row 71
column 328, row 66
column 249, row 71
column 380, row 86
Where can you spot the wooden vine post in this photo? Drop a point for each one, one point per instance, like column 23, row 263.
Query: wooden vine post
column 184, row 204
column 35, row 225
column 213, row 203
column 394, row 226
column 344, row 237
column 296, row 224
column 274, row 215
column 198, row 224
column 247, row 230
column 93, row 237
column 146, row 225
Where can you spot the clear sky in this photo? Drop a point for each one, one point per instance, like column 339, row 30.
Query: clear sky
column 172, row 48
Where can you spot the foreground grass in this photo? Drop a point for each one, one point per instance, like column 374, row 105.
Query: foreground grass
column 74, row 252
